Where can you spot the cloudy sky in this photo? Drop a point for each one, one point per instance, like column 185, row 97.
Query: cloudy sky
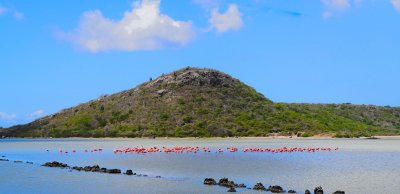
column 57, row 54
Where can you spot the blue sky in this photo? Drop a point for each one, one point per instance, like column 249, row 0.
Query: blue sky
column 57, row 54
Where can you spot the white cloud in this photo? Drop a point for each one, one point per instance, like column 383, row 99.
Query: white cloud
column 18, row 15
column 3, row 10
column 230, row 20
column 396, row 4
column 37, row 114
column 334, row 6
column 7, row 117
column 142, row 28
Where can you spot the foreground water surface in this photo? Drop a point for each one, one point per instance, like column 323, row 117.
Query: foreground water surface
column 359, row 166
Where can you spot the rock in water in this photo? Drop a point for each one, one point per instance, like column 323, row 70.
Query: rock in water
column 210, row 181
column 242, row 186
column 55, row 164
column 77, row 168
column 307, row 192
column 129, row 172
column 339, row 192
column 95, row 168
column 114, row 171
column 276, row 189
column 291, row 191
column 259, row 186
column 232, row 189
column 230, row 184
column 103, row 169
column 318, row 190
column 223, row 181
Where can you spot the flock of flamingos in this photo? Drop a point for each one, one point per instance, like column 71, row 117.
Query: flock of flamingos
column 196, row 149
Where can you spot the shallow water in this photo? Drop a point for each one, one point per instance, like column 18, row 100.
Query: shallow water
column 359, row 166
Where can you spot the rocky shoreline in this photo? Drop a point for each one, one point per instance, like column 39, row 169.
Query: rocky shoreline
column 94, row 168
column 223, row 182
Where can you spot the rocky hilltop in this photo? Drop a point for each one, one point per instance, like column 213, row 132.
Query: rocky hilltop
column 206, row 103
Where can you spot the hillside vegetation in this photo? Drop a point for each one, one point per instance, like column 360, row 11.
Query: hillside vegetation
column 206, row 103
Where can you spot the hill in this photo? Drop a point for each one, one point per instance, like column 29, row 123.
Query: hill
column 206, row 103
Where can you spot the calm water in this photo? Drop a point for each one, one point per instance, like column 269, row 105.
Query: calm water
column 360, row 166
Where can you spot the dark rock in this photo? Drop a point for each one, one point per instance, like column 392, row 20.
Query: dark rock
column 339, row 192
column 2, row 159
column 242, row 186
column 95, row 168
column 55, row 164
column 232, row 189
column 318, row 190
column 77, row 168
column 114, row 171
column 224, row 182
column 103, row 169
column 291, row 191
column 307, row 192
column 29, row 162
column 210, row 181
column 259, row 186
column 129, row 172
column 158, row 177
column 17, row 161
column 199, row 77
column 276, row 189
column 229, row 184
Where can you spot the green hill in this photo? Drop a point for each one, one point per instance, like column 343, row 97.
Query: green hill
column 206, row 103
